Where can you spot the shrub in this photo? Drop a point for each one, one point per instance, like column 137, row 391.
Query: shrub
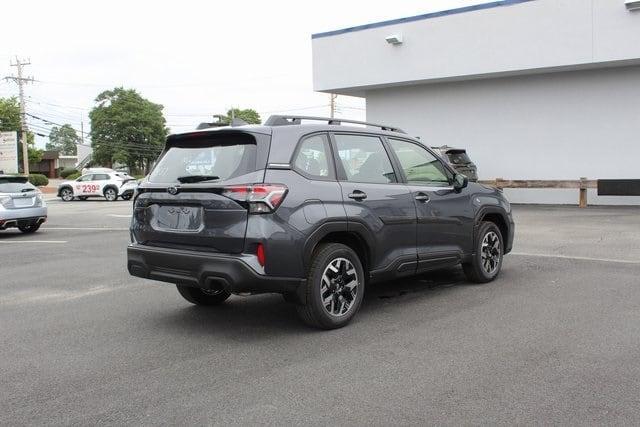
column 38, row 180
column 68, row 171
column 74, row 176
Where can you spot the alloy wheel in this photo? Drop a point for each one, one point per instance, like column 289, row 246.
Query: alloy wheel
column 339, row 287
column 490, row 252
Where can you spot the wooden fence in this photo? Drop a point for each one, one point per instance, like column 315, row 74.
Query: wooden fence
column 581, row 185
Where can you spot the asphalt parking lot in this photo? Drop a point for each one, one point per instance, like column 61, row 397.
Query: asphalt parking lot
column 555, row 340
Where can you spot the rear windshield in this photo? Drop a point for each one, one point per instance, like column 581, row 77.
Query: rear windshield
column 8, row 186
column 458, row 158
column 222, row 158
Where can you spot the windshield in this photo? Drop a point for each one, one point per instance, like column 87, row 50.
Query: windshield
column 221, row 160
column 15, row 187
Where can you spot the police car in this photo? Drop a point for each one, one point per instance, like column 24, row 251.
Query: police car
column 109, row 185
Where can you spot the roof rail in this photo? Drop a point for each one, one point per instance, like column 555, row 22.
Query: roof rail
column 279, row 120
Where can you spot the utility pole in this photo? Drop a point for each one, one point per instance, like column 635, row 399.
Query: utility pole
column 332, row 103
column 21, row 81
column 82, row 131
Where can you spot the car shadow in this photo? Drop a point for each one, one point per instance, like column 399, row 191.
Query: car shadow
column 259, row 317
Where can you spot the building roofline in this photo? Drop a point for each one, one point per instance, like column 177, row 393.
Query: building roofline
column 431, row 15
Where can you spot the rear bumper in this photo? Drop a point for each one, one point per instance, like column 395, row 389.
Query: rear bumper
column 204, row 270
column 21, row 222
column 22, row 213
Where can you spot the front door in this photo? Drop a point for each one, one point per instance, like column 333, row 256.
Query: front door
column 84, row 186
column 445, row 217
column 375, row 200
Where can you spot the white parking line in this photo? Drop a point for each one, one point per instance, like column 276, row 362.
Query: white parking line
column 120, row 216
column 37, row 295
column 32, row 241
column 578, row 258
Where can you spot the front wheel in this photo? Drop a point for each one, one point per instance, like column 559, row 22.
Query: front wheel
column 487, row 260
column 110, row 194
column 199, row 296
column 334, row 288
column 66, row 194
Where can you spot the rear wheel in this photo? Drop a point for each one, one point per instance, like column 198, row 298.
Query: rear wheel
column 487, row 260
column 334, row 288
column 111, row 194
column 31, row 228
column 199, row 296
column 66, row 194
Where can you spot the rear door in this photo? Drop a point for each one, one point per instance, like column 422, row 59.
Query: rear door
column 375, row 200
column 192, row 198
column 100, row 180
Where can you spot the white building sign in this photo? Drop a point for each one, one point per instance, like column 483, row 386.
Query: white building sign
column 9, row 152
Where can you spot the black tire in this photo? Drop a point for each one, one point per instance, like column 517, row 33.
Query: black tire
column 111, row 194
column 28, row 229
column 66, row 194
column 126, row 196
column 83, row 198
column 199, row 297
column 313, row 311
column 483, row 270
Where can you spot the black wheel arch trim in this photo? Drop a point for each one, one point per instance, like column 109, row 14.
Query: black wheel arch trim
column 482, row 212
column 359, row 230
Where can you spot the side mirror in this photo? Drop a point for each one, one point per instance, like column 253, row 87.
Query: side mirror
column 460, row 181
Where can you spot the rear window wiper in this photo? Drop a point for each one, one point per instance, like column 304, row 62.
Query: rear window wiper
column 197, row 178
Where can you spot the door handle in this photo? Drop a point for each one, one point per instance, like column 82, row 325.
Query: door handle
column 358, row 195
column 421, row 197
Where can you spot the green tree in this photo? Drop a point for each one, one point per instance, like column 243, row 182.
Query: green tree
column 249, row 115
column 126, row 128
column 63, row 139
column 10, row 121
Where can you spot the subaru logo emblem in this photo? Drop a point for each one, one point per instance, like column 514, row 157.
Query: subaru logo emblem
column 172, row 190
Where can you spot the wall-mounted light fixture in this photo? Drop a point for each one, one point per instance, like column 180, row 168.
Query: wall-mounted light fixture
column 396, row 39
column 632, row 4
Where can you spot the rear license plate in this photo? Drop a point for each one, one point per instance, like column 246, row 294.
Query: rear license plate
column 177, row 218
column 23, row 202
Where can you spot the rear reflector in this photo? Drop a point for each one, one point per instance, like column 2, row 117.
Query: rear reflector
column 260, row 254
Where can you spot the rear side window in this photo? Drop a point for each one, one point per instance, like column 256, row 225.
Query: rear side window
column 364, row 159
column 312, row 158
column 223, row 157
column 100, row 177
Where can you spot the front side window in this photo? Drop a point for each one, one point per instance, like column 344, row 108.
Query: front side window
column 84, row 178
column 364, row 159
column 312, row 158
column 100, row 177
column 419, row 165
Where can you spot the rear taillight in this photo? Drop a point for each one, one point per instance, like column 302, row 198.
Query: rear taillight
column 261, row 198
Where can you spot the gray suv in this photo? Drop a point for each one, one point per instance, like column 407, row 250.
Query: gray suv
column 315, row 209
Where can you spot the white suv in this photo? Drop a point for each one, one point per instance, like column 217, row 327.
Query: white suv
column 109, row 185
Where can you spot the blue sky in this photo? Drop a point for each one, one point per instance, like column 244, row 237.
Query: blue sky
column 196, row 58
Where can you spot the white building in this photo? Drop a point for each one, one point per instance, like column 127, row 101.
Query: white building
column 533, row 89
